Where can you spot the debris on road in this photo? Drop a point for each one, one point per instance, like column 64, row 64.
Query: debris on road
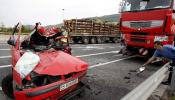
column 127, row 77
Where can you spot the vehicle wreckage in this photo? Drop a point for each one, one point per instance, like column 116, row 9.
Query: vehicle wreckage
column 42, row 66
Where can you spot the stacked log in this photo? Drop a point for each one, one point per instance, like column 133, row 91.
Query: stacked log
column 91, row 27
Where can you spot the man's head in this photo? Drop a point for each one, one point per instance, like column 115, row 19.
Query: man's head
column 158, row 45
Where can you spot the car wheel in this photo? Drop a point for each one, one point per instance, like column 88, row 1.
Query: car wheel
column 7, row 85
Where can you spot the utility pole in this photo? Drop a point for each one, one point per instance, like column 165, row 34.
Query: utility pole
column 63, row 14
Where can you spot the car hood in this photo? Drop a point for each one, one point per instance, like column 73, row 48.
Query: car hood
column 59, row 63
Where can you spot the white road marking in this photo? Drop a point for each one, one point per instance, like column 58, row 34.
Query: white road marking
column 102, row 44
column 101, row 64
column 117, row 55
column 86, row 49
column 91, row 45
column 5, row 56
column 3, row 44
column 5, row 66
column 5, row 49
column 97, row 54
column 0, row 88
column 112, row 47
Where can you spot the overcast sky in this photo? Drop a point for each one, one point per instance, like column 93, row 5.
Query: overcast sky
column 50, row 11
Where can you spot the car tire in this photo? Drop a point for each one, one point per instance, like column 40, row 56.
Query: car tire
column 7, row 85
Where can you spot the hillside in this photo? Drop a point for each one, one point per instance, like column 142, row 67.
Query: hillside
column 109, row 18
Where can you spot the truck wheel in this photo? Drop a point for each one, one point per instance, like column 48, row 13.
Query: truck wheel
column 99, row 40
column 7, row 85
column 75, row 40
column 112, row 40
column 130, row 48
column 85, row 40
column 93, row 40
column 103, row 39
column 106, row 39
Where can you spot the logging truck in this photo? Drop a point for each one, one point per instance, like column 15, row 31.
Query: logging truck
column 88, row 31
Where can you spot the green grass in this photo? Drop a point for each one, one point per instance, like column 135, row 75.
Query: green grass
column 172, row 98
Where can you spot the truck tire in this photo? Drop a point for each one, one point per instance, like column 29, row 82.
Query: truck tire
column 75, row 40
column 99, row 40
column 93, row 40
column 112, row 39
column 7, row 85
column 129, row 48
column 106, row 39
column 86, row 40
column 103, row 39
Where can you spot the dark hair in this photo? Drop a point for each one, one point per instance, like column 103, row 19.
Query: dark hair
column 158, row 43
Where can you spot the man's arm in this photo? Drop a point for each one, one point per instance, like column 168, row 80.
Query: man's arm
column 172, row 48
column 156, row 54
column 149, row 61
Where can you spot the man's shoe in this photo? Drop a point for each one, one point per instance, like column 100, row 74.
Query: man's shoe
column 166, row 83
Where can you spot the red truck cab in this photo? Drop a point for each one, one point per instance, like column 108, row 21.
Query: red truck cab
column 144, row 21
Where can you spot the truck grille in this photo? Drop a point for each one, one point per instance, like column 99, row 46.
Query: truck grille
column 140, row 24
column 138, row 40
column 139, row 34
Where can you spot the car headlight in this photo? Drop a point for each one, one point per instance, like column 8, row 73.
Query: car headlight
column 161, row 38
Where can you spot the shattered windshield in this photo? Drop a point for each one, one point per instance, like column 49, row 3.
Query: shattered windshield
column 139, row 5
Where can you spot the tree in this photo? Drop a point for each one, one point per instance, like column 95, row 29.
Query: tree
column 2, row 27
column 26, row 29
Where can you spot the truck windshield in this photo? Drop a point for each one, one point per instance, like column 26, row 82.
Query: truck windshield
column 139, row 5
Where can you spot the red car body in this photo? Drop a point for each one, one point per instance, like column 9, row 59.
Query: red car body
column 141, row 27
column 53, row 63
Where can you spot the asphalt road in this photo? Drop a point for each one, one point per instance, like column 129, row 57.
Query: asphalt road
column 109, row 76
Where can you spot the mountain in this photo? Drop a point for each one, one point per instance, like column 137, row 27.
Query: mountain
column 114, row 18
column 108, row 18
column 57, row 25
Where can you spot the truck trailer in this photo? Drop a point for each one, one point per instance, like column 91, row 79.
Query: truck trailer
column 89, row 31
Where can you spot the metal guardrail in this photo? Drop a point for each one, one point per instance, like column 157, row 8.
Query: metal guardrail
column 145, row 89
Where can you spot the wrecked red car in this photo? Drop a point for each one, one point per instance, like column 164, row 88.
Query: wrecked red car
column 42, row 67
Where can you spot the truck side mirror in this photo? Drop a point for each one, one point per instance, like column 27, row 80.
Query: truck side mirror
column 11, row 42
